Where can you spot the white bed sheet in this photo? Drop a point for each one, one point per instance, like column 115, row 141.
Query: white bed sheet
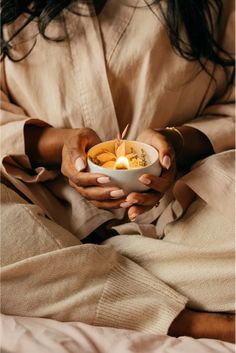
column 38, row 335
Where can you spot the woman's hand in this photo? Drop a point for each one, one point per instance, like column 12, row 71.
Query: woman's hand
column 66, row 149
column 165, row 144
column 175, row 148
column 95, row 187
column 54, row 147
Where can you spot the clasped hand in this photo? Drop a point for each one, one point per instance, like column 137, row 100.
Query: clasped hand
column 98, row 188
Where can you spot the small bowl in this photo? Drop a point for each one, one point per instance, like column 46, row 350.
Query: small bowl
column 126, row 179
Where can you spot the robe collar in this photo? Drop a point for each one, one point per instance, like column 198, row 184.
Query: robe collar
column 90, row 52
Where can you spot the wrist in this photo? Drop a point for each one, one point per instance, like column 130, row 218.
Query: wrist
column 174, row 137
column 44, row 145
column 196, row 146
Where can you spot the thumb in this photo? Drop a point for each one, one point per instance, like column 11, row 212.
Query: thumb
column 166, row 153
column 87, row 139
column 166, row 161
column 80, row 164
column 77, row 152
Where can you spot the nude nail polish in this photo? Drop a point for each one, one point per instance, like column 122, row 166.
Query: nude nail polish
column 166, row 162
column 79, row 164
column 103, row 180
column 126, row 204
column 116, row 194
column 145, row 180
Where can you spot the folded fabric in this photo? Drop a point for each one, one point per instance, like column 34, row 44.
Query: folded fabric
column 37, row 335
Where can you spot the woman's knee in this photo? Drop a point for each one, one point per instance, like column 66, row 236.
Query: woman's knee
column 25, row 230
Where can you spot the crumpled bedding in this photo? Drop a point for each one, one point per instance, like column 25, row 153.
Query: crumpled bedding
column 39, row 335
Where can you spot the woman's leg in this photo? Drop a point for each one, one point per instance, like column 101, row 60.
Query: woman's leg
column 26, row 232
column 196, row 257
column 46, row 272
column 204, row 325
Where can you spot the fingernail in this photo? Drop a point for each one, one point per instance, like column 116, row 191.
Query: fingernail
column 116, row 194
column 126, row 204
column 166, row 162
column 103, row 180
column 131, row 200
column 145, row 180
column 79, row 164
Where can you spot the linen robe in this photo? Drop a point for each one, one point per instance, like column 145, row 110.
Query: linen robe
column 111, row 70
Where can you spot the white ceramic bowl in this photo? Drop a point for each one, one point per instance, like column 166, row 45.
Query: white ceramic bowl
column 127, row 179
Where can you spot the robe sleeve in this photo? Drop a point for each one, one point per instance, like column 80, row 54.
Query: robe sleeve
column 14, row 160
column 217, row 122
column 217, row 119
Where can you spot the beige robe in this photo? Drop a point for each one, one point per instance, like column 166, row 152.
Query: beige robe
column 115, row 69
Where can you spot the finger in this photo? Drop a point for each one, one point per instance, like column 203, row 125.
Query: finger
column 99, row 193
column 160, row 184
column 135, row 211
column 78, row 146
column 90, row 179
column 166, row 152
column 144, row 198
column 108, row 204
column 169, row 173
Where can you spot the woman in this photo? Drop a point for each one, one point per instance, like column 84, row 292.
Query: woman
column 75, row 73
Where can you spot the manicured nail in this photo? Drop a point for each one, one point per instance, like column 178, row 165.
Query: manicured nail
column 133, row 201
column 126, row 204
column 103, row 180
column 166, row 162
column 145, row 180
column 79, row 164
column 116, row 194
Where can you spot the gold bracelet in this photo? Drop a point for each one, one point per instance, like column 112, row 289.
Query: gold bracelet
column 178, row 132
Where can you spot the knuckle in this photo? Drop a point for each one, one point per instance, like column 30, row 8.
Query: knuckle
column 135, row 195
column 75, row 179
column 71, row 183
column 64, row 170
column 85, row 132
column 86, row 193
column 88, row 130
column 81, row 191
column 103, row 196
column 95, row 203
column 94, row 193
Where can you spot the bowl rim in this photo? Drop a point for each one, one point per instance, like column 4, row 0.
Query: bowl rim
column 124, row 170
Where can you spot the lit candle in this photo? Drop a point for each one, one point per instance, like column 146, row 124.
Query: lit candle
column 122, row 163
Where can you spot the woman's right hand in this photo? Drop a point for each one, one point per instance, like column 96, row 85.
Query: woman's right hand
column 97, row 188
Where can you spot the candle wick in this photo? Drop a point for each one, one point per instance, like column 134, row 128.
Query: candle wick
column 122, row 163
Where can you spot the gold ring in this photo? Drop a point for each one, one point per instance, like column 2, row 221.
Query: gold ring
column 157, row 204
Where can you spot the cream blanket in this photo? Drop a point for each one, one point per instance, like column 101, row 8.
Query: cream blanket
column 24, row 335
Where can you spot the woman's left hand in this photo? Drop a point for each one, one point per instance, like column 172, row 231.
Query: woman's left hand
column 142, row 202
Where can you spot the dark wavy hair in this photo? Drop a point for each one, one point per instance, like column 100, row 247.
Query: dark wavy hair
column 199, row 18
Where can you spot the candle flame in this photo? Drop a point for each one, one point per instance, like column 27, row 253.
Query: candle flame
column 122, row 163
